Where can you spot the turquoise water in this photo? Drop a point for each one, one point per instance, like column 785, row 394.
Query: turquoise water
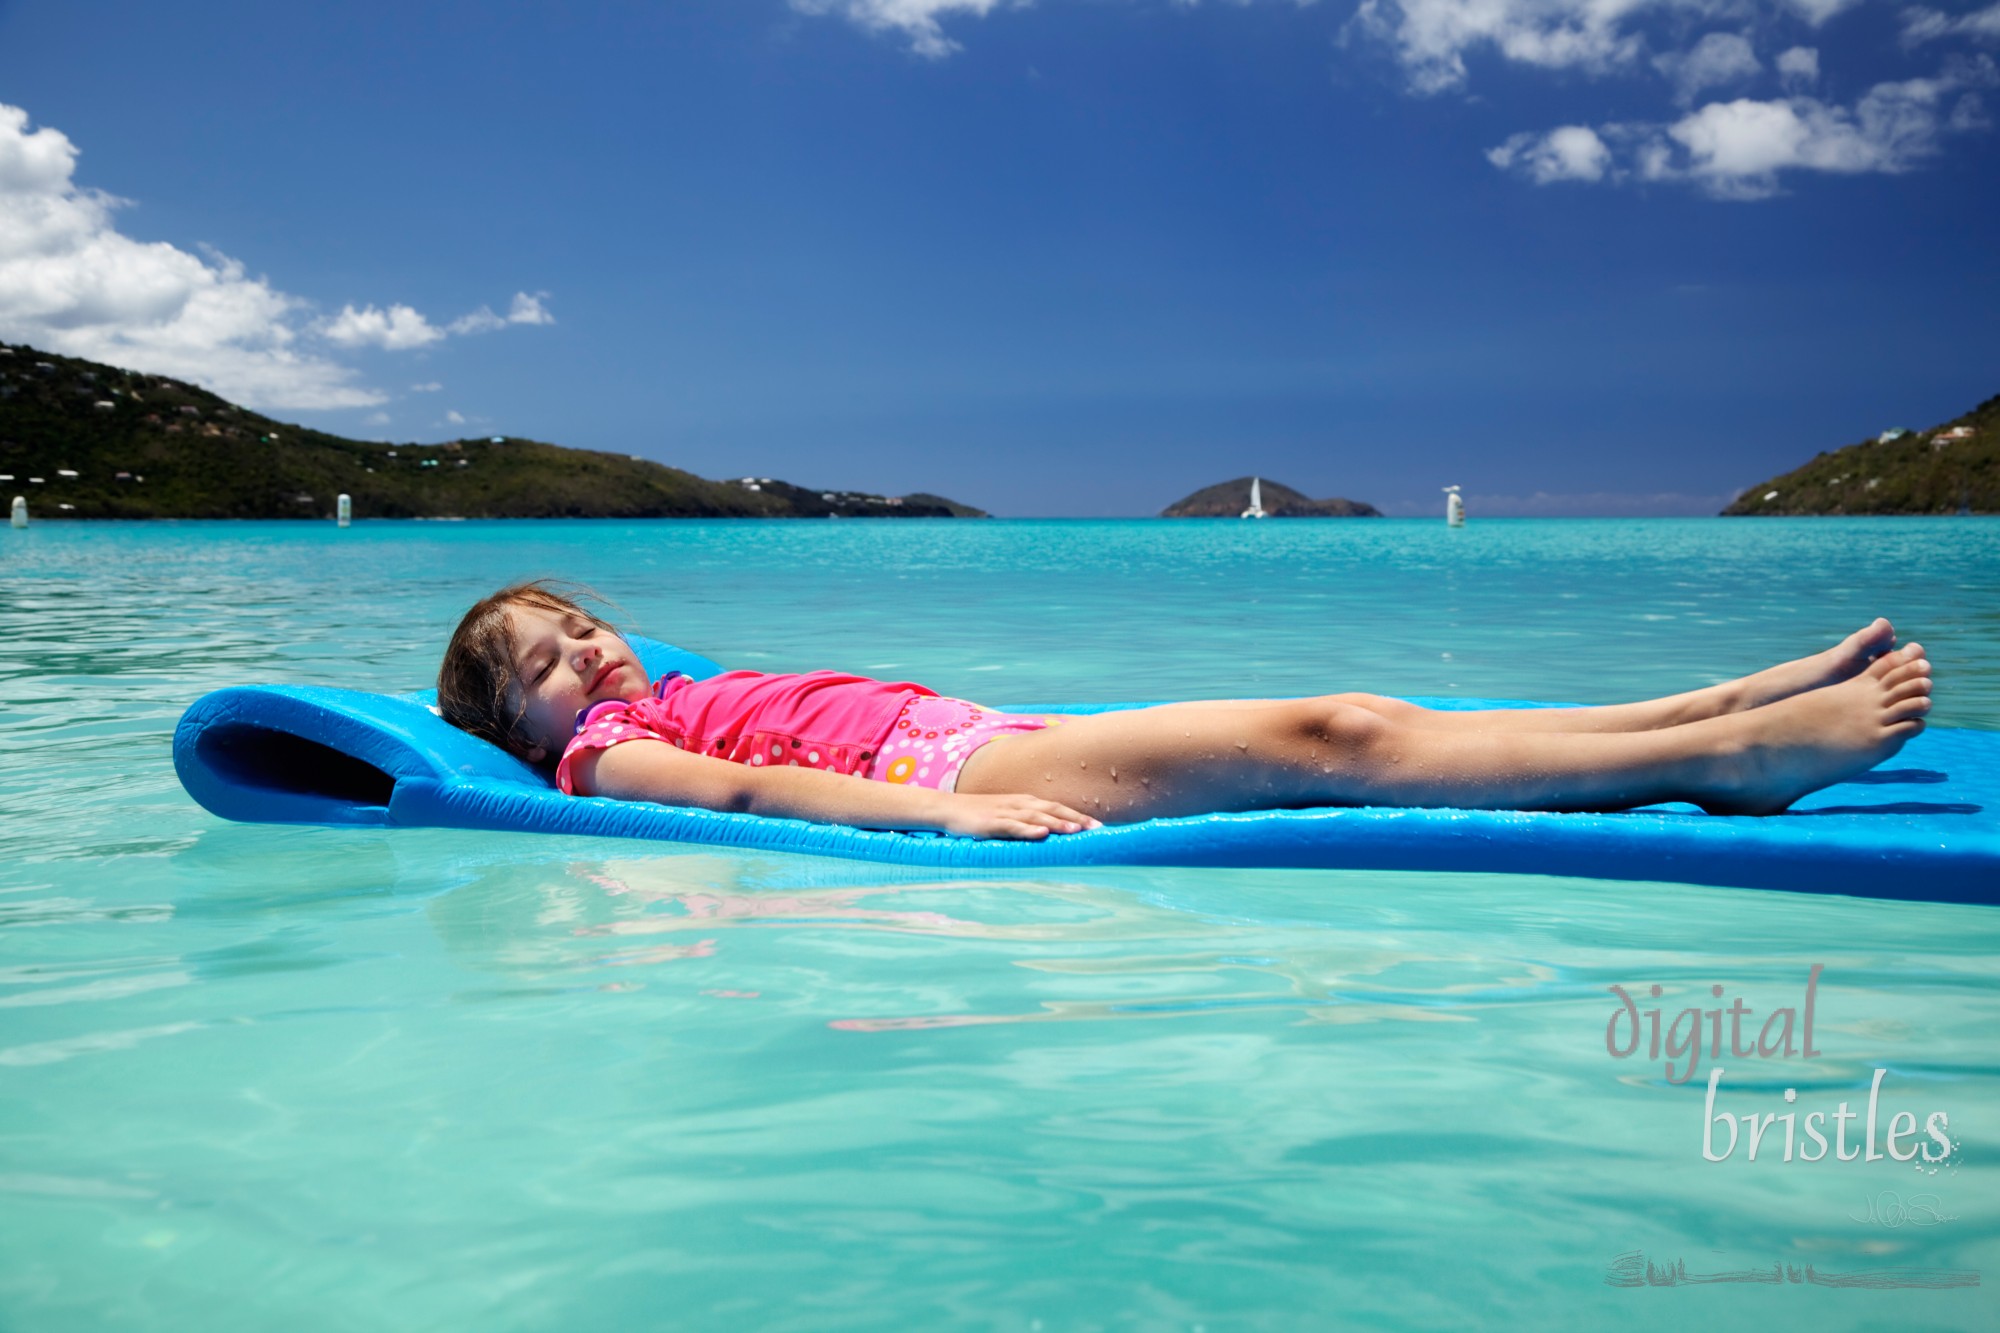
column 257, row 1076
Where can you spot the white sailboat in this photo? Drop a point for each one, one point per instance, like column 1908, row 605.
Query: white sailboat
column 1454, row 508
column 1256, row 509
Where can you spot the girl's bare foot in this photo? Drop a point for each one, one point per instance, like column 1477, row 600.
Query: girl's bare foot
column 1814, row 739
column 1844, row 661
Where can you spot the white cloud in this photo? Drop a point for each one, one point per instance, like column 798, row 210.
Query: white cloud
column 1928, row 25
column 482, row 320
column 525, row 310
column 1717, row 59
column 376, row 419
column 431, row 387
column 915, row 20
column 395, row 329
column 529, row 309
column 72, row 282
column 1817, row 12
column 1431, row 37
column 1739, row 149
column 1571, row 153
column 1967, row 114
column 455, row 418
column 1798, row 68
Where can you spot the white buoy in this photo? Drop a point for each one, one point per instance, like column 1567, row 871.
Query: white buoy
column 344, row 510
column 1454, row 508
column 20, row 511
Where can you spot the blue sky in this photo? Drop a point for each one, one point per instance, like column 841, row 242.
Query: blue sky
column 1073, row 257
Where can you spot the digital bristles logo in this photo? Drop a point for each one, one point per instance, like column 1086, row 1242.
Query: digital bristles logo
column 1693, row 1038
column 1784, row 1034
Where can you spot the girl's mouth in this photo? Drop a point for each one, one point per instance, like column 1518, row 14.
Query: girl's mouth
column 610, row 669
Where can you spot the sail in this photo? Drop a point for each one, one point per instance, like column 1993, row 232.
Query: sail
column 1256, row 509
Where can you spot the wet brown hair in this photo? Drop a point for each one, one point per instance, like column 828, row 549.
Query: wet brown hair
column 478, row 688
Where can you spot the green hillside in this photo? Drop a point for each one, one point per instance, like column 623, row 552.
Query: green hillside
column 83, row 440
column 1948, row 469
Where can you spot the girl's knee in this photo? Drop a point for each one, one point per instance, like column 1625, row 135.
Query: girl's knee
column 1396, row 710
column 1341, row 722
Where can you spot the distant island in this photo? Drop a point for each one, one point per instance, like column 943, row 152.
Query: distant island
column 83, row 440
column 1228, row 499
column 1952, row 468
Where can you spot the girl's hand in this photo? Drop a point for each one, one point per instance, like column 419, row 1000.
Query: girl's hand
column 1025, row 817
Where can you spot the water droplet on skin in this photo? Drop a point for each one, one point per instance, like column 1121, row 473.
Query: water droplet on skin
column 1114, row 774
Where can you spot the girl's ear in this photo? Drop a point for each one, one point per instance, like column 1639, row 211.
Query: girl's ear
column 537, row 755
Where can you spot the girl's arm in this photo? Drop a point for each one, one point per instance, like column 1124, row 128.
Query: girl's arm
column 645, row 770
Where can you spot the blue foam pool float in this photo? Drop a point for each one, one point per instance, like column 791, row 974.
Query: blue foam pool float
column 1923, row 826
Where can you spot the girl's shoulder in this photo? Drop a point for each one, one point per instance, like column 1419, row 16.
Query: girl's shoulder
column 616, row 721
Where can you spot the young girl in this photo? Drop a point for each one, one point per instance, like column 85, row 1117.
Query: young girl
column 538, row 674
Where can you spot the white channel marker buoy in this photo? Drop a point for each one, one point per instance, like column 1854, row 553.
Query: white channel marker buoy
column 344, row 510
column 1454, row 508
column 20, row 511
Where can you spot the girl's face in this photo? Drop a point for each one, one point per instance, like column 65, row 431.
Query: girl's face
column 565, row 663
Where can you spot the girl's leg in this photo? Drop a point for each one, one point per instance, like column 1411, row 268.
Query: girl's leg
column 1866, row 647
column 1190, row 759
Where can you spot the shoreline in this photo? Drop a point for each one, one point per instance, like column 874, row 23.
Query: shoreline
column 37, row 519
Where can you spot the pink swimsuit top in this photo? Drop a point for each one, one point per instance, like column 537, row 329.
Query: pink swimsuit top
column 821, row 719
